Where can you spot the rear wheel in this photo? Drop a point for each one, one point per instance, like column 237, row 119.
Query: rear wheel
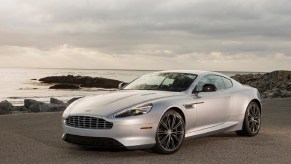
column 252, row 121
column 170, row 133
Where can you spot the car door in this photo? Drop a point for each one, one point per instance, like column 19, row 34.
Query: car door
column 213, row 107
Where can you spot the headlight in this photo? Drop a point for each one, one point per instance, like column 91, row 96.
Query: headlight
column 134, row 111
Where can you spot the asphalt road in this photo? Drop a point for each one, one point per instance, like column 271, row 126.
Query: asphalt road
column 35, row 138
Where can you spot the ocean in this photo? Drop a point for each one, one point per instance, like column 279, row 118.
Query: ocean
column 17, row 84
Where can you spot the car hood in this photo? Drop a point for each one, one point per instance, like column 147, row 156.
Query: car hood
column 105, row 104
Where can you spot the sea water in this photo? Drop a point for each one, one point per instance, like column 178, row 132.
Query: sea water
column 17, row 84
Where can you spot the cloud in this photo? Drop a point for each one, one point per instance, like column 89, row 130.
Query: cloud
column 149, row 30
column 67, row 56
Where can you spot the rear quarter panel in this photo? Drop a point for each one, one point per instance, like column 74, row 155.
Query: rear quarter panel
column 241, row 96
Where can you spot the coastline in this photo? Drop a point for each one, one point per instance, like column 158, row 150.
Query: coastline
column 276, row 84
column 17, row 84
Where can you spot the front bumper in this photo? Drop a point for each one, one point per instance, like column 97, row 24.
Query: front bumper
column 92, row 141
column 133, row 136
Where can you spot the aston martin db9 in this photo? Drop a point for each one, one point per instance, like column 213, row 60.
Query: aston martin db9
column 159, row 110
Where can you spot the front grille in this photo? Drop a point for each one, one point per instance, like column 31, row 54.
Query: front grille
column 88, row 122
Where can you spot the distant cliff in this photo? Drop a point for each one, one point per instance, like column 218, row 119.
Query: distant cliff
column 270, row 85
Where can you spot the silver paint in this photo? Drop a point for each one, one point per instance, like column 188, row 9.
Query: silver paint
column 205, row 113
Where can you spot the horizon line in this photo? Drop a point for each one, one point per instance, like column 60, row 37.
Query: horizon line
column 122, row 69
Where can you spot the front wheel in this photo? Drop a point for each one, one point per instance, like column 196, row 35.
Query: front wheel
column 170, row 133
column 252, row 121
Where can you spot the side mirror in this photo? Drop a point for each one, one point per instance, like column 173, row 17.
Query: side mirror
column 209, row 88
column 121, row 85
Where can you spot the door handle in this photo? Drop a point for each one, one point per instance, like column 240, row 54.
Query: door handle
column 191, row 105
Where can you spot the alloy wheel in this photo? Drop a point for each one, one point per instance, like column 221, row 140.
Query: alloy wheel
column 254, row 118
column 171, row 131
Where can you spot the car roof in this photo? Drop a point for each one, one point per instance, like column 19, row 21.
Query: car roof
column 197, row 72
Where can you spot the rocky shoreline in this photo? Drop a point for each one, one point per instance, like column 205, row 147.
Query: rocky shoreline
column 77, row 82
column 58, row 82
column 275, row 84
column 33, row 106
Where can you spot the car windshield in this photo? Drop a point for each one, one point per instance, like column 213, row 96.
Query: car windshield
column 164, row 81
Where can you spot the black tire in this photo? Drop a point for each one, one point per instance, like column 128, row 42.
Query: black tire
column 170, row 133
column 252, row 121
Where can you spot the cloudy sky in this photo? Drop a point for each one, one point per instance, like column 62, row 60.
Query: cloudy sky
column 223, row 35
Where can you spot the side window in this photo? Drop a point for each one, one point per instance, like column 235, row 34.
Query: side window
column 211, row 79
column 227, row 82
column 203, row 81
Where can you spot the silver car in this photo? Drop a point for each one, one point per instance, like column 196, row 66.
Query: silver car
column 158, row 110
